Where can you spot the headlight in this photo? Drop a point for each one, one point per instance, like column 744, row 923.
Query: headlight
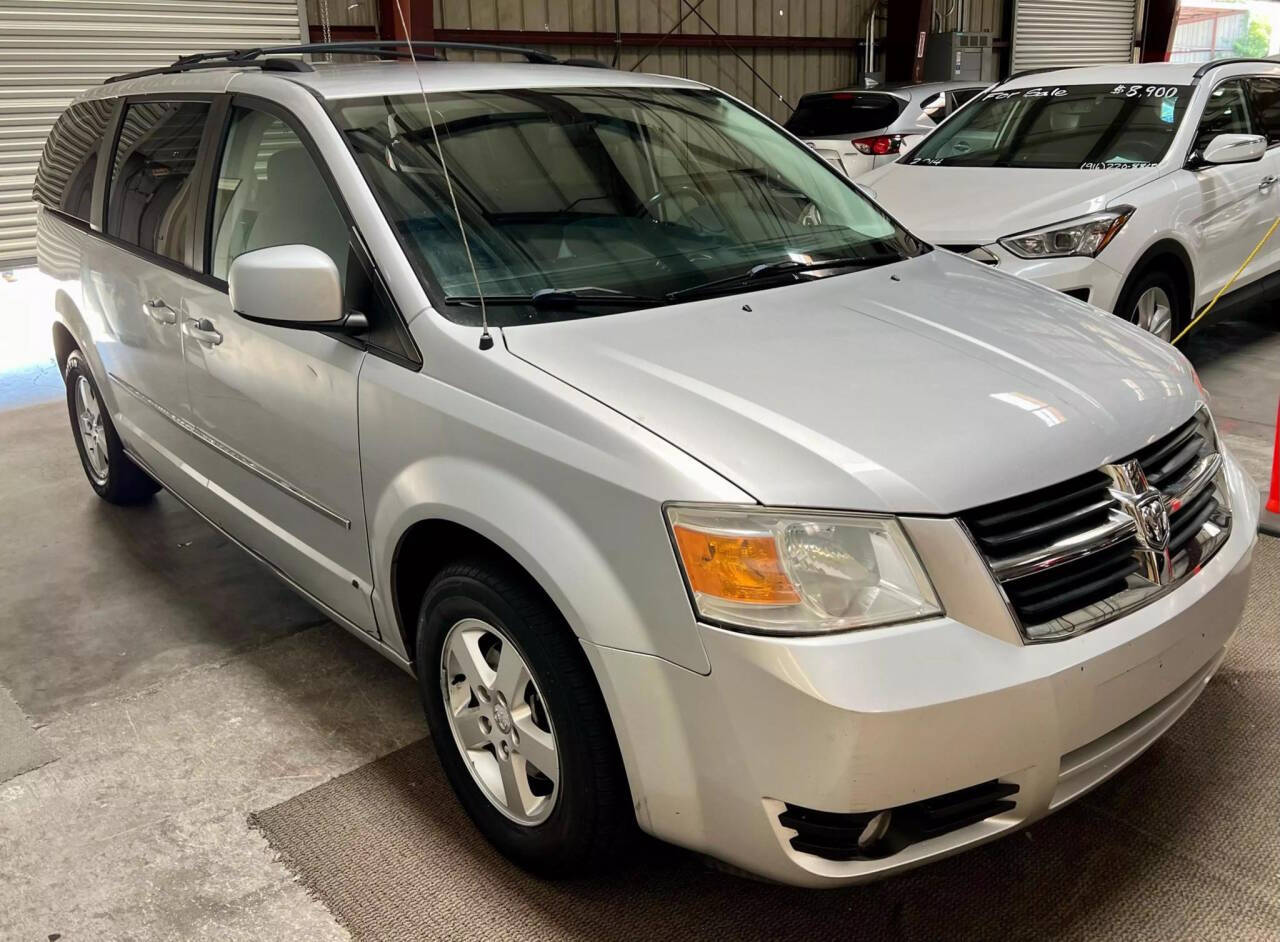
column 1086, row 236
column 796, row 572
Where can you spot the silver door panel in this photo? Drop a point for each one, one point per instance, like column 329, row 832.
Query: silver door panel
column 141, row 353
column 274, row 411
column 1227, row 214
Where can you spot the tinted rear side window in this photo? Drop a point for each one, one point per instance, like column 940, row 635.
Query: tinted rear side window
column 64, row 179
column 838, row 114
column 1265, row 93
column 151, row 197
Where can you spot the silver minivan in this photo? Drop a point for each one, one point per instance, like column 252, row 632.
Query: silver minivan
column 697, row 493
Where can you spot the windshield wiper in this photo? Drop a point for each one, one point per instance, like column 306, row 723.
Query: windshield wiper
column 560, row 298
column 787, row 267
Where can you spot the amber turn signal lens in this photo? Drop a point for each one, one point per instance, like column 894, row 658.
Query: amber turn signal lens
column 735, row 567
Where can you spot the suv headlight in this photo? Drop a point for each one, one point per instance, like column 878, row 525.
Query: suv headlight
column 1085, row 236
column 799, row 572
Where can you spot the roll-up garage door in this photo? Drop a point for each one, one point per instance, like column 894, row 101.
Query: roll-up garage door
column 1058, row 33
column 52, row 49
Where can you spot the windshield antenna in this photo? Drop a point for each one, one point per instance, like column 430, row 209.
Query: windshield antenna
column 486, row 340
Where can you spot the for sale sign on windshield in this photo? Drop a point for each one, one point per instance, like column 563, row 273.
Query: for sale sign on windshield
column 1068, row 127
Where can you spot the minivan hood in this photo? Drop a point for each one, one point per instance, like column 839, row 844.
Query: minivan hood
column 928, row 386
column 978, row 205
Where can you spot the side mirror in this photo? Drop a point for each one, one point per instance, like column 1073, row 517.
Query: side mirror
column 290, row 286
column 1234, row 149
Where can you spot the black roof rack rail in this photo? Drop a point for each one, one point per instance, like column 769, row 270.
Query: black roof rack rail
column 267, row 65
column 265, row 57
column 586, row 63
column 1214, row 63
column 388, row 46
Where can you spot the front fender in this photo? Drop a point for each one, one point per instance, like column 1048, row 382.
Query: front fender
column 1172, row 244
column 568, row 488
column 538, row 534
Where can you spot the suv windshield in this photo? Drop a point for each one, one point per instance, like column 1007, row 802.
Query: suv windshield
column 839, row 114
column 1084, row 127
column 613, row 198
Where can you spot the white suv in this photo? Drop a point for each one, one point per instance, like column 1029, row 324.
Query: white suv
column 1137, row 188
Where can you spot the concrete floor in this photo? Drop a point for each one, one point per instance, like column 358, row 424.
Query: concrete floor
column 181, row 687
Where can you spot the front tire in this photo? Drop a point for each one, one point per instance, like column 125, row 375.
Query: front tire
column 111, row 472
column 1154, row 301
column 518, row 720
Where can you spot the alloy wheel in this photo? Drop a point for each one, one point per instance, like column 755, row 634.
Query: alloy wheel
column 93, row 432
column 1154, row 312
column 499, row 721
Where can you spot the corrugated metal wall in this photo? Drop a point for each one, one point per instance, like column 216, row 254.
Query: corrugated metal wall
column 52, row 49
column 790, row 71
column 974, row 16
column 1051, row 33
column 343, row 13
column 1210, row 38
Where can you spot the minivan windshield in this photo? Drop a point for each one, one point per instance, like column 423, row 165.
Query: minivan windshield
column 587, row 201
column 1081, row 127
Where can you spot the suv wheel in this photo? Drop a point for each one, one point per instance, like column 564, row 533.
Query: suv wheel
column 1153, row 301
column 518, row 721
column 111, row 472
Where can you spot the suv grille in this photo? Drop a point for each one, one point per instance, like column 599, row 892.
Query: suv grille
column 1075, row 555
column 1169, row 465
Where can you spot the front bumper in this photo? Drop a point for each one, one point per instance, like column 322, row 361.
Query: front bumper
column 1075, row 275
column 876, row 719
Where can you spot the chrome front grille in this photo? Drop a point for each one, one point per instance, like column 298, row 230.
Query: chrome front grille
column 1075, row 555
column 1059, row 590
column 1168, row 462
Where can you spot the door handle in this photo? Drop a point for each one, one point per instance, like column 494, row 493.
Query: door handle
column 1267, row 183
column 159, row 311
column 202, row 329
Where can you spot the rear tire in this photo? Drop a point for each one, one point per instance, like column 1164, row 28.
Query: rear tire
column 566, row 822
column 111, row 472
column 1154, row 301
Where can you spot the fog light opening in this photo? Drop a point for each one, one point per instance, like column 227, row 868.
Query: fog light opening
column 875, row 831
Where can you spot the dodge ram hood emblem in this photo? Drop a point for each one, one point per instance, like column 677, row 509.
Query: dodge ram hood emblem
column 1152, row 517
column 1146, row 507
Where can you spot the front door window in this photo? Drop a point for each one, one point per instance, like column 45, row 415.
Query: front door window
column 270, row 192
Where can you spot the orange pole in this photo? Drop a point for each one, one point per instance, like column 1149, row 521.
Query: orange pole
column 1273, row 497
